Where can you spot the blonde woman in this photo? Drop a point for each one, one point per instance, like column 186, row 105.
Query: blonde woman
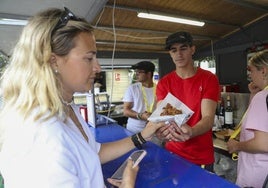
column 45, row 141
column 252, row 166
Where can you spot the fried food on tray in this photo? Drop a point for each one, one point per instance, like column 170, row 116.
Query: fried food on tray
column 170, row 110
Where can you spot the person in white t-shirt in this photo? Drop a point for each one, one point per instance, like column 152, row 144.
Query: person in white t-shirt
column 139, row 99
column 44, row 140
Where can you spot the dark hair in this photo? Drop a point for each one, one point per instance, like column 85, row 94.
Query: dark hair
column 147, row 66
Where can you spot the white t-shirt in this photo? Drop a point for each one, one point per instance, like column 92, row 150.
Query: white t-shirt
column 252, row 168
column 50, row 154
column 134, row 94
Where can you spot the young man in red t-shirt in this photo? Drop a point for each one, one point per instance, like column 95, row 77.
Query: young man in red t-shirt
column 199, row 90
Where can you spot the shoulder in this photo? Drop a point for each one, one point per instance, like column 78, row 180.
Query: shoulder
column 53, row 131
column 207, row 75
column 168, row 77
column 46, row 135
column 203, row 72
column 260, row 97
column 136, row 86
column 131, row 91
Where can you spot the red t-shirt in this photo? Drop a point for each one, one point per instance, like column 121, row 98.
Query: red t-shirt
column 191, row 91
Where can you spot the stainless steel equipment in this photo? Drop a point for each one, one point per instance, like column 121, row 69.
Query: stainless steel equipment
column 103, row 104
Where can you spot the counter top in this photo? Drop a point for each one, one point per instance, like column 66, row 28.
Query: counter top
column 221, row 147
column 159, row 168
column 220, row 144
column 220, row 139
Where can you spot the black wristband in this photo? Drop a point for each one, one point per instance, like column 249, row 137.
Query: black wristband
column 136, row 142
column 141, row 138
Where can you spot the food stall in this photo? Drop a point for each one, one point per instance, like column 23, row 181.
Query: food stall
column 159, row 168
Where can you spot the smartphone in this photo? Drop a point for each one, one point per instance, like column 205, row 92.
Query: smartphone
column 136, row 156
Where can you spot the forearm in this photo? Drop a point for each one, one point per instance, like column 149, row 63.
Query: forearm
column 113, row 150
column 108, row 151
column 203, row 126
column 252, row 146
column 136, row 115
column 208, row 108
column 128, row 110
column 130, row 113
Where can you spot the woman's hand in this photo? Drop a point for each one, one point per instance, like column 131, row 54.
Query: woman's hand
column 253, row 88
column 129, row 177
column 232, row 145
column 150, row 129
column 173, row 132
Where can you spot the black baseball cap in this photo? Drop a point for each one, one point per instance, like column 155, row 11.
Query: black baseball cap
column 180, row 37
column 144, row 65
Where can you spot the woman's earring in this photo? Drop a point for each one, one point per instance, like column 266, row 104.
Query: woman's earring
column 56, row 71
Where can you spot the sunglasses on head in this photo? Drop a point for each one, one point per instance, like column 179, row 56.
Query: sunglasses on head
column 65, row 17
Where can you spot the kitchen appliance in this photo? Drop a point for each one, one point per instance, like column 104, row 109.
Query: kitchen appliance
column 103, row 105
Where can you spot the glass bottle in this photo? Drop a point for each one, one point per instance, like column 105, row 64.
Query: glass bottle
column 228, row 117
column 221, row 113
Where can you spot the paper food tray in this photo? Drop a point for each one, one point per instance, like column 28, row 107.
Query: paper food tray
column 179, row 119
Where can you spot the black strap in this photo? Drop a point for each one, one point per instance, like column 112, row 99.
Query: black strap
column 265, row 183
column 141, row 138
column 136, row 141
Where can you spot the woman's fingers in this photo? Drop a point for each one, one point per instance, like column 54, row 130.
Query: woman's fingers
column 114, row 182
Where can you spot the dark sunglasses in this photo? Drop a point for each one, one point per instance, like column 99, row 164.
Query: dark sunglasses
column 65, row 17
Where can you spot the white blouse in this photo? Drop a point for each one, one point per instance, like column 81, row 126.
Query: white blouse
column 50, row 154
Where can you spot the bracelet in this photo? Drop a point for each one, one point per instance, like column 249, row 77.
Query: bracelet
column 141, row 138
column 139, row 116
column 136, row 141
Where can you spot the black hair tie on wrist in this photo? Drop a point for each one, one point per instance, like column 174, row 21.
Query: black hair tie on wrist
column 141, row 138
column 136, row 141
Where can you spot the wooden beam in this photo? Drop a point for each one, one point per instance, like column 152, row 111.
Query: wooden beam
column 251, row 5
column 104, row 27
column 163, row 13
